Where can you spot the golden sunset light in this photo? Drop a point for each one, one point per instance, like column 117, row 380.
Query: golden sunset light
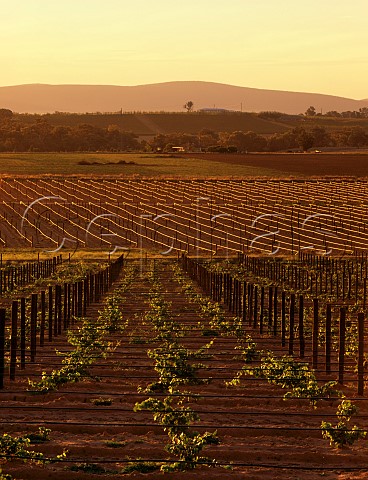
column 183, row 239
column 306, row 46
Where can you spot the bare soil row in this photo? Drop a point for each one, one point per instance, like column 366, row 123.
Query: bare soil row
column 263, row 435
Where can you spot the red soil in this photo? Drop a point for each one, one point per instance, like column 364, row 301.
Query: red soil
column 296, row 164
column 274, row 438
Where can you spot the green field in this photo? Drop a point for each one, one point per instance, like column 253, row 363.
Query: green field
column 193, row 165
column 145, row 165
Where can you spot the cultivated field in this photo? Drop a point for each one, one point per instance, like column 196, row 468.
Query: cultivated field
column 221, row 343
column 147, row 165
column 299, row 164
column 153, row 123
column 206, row 217
column 159, row 337
column 189, row 165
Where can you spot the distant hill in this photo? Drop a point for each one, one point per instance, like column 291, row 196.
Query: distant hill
column 169, row 97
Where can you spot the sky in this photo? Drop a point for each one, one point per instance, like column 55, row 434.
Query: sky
column 315, row 46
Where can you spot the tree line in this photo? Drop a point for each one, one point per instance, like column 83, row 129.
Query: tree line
column 298, row 138
column 361, row 113
column 41, row 136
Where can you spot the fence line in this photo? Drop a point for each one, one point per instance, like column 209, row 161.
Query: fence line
column 247, row 300
column 65, row 304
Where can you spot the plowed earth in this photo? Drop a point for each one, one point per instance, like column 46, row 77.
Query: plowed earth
column 265, row 436
column 299, row 164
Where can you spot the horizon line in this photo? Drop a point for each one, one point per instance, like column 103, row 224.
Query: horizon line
column 177, row 81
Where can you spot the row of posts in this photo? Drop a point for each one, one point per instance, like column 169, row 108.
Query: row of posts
column 13, row 277
column 248, row 301
column 341, row 278
column 57, row 308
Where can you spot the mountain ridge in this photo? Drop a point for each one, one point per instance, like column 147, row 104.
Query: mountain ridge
column 166, row 96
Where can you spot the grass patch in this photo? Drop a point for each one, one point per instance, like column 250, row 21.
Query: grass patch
column 102, row 401
column 115, row 444
column 93, row 468
column 137, row 340
column 41, row 436
column 130, row 164
column 141, row 467
column 209, row 333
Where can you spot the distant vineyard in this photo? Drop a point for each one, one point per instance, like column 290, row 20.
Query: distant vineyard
column 198, row 217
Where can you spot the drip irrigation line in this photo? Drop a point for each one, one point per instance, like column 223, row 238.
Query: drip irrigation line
column 205, row 367
column 107, row 409
column 232, row 353
column 247, row 378
column 64, row 423
column 319, row 368
column 220, row 339
column 135, row 348
column 147, row 377
column 114, row 364
column 195, row 395
column 138, row 346
column 159, row 462
column 142, row 357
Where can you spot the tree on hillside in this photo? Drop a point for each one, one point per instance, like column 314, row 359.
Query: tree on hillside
column 5, row 114
column 270, row 115
column 358, row 137
column 305, row 140
column 332, row 113
column 283, row 141
column 321, row 137
column 311, row 111
column 246, row 142
column 340, row 137
column 189, row 106
column 207, row 138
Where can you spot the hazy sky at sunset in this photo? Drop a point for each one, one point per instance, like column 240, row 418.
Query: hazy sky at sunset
column 300, row 45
